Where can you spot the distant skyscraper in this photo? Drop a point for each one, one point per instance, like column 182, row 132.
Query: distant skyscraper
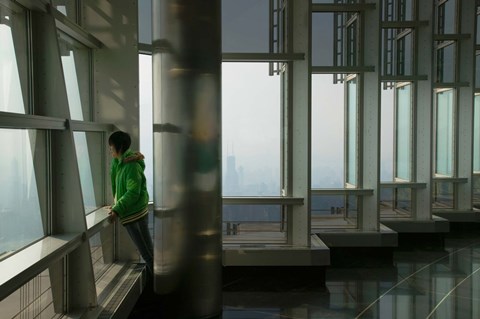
column 231, row 177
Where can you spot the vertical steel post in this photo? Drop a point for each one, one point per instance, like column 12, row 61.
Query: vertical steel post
column 424, row 111
column 369, row 138
column 187, row 165
column 466, row 74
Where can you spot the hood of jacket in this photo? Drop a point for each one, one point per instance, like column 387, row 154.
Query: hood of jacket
column 130, row 156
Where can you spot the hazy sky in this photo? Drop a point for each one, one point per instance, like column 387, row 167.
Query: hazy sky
column 251, row 100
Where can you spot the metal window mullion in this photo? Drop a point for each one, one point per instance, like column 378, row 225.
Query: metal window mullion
column 289, row 27
column 424, row 125
column 466, row 61
column 75, row 31
column 91, row 85
column 78, row 12
column 395, row 131
column 31, row 75
column 49, row 170
column 270, row 34
column 358, row 134
column 103, row 165
column 441, row 17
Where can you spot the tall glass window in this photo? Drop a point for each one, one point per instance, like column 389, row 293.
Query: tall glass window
column 447, row 17
column 13, row 59
column 476, row 135
column 477, row 70
column 33, row 300
column 387, row 134
column 406, row 12
column 352, row 43
column 146, row 117
column 90, row 164
column 328, row 132
column 259, row 223
column 477, row 38
column 444, row 133
column 446, row 70
column 251, row 130
column 405, row 55
column 145, row 21
column 334, row 211
column 99, row 262
column 476, row 152
column 245, row 25
column 76, row 69
column 403, row 132
column 326, row 38
column 22, row 188
column 352, row 131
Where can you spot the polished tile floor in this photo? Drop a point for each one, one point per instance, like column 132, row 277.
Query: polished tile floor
column 438, row 283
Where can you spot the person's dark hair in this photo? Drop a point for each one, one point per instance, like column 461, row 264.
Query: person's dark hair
column 120, row 141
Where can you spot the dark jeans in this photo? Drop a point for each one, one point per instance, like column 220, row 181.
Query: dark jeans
column 140, row 235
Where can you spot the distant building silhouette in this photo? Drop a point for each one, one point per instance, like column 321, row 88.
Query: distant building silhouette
column 231, row 186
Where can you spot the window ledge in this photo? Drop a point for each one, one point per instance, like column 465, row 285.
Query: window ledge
column 97, row 220
column 403, row 185
column 20, row 267
column 343, row 191
column 257, row 200
column 457, row 180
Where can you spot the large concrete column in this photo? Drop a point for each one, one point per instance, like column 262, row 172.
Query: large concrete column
column 370, row 132
column 300, row 221
column 466, row 74
column 187, row 165
column 424, row 111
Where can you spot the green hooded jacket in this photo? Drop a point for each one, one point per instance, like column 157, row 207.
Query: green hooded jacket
column 129, row 186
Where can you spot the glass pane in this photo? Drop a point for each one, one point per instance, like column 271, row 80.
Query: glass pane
column 334, row 211
column 443, row 195
column 447, row 17
column 404, row 132
column 352, row 48
column 102, row 253
column 32, row 300
column 90, row 163
column 20, row 203
column 99, row 263
column 13, row 59
column 245, row 25
column 476, row 135
column 476, row 191
column 478, row 30
column 145, row 21
column 395, row 202
column 257, row 223
column 67, row 7
column 324, row 38
column 387, row 129
column 146, row 117
column 446, row 64
column 352, row 132
column 444, row 136
column 388, row 51
column 477, row 71
column 405, row 55
column 406, row 10
column 76, row 69
column 251, row 130
column 328, row 134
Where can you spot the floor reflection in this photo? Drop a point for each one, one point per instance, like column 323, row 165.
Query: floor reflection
column 421, row 284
